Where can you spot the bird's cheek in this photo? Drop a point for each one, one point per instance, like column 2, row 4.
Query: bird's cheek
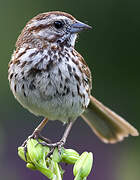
column 47, row 36
column 51, row 38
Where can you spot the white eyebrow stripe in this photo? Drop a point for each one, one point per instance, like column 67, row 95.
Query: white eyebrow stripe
column 36, row 23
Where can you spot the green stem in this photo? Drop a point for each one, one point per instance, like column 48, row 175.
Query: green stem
column 78, row 176
column 57, row 171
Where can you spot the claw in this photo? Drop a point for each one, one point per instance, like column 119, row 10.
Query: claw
column 59, row 145
column 25, row 151
column 46, row 142
column 50, row 153
column 36, row 136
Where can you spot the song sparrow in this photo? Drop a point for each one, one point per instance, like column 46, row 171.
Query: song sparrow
column 50, row 78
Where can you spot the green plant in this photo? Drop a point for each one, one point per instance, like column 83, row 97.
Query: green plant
column 36, row 159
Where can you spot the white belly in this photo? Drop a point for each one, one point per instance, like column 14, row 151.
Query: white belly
column 52, row 92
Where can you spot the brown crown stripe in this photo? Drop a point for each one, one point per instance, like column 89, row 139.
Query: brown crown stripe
column 57, row 13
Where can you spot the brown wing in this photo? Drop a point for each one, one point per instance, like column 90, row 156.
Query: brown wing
column 84, row 68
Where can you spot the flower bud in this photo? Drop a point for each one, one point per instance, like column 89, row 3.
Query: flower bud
column 21, row 153
column 69, row 156
column 83, row 165
column 30, row 166
column 37, row 154
column 56, row 157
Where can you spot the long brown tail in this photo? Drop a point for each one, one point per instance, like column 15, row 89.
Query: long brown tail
column 106, row 124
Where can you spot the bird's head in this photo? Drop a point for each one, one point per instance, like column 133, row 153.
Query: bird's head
column 53, row 27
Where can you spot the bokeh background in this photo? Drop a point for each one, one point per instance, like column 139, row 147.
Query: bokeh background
column 112, row 52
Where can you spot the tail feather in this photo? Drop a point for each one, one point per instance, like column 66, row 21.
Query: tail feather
column 106, row 124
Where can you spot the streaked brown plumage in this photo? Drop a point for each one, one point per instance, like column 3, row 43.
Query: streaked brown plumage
column 50, row 78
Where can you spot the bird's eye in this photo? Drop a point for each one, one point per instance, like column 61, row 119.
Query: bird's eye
column 58, row 24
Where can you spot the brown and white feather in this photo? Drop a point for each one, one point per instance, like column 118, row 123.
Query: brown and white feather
column 51, row 79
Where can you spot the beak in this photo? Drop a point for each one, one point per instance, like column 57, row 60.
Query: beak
column 79, row 26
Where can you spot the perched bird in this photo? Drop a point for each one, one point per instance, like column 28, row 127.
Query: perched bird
column 51, row 79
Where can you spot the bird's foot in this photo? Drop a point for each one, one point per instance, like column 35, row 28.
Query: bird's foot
column 46, row 142
column 35, row 135
column 52, row 146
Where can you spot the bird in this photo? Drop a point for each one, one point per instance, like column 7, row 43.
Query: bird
column 50, row 78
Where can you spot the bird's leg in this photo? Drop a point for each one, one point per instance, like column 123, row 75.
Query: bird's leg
column 65, row 135
column 36, row 134
column 46, row 142
column 61, row 142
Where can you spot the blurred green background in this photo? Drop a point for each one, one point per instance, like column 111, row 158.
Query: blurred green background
column 112, row 52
